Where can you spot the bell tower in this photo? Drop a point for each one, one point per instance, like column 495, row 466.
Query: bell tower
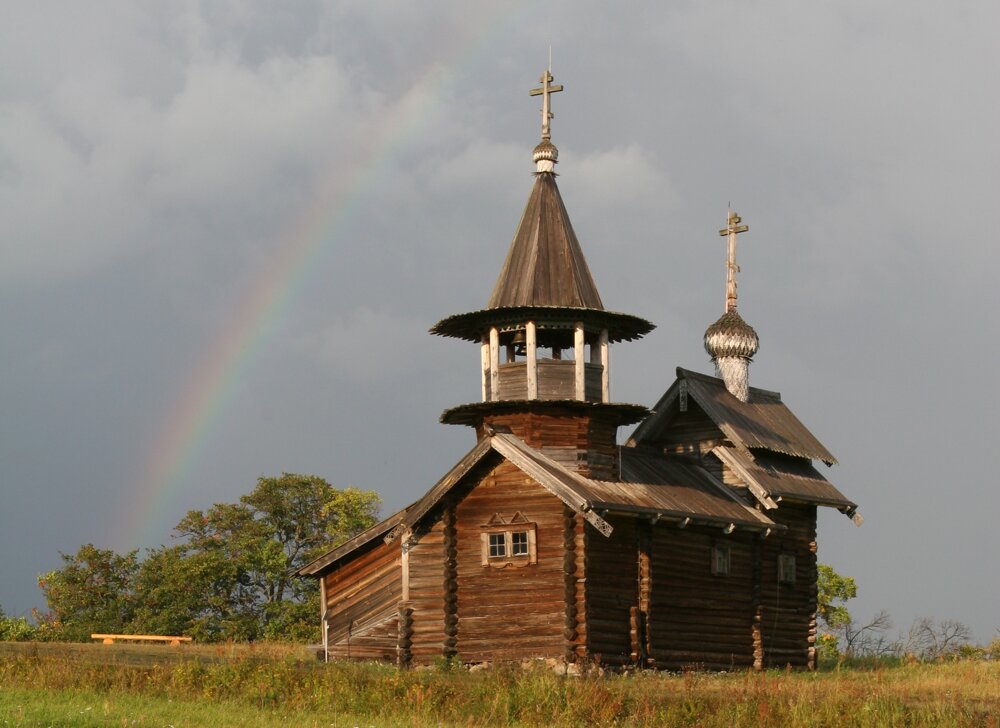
column 545, row 335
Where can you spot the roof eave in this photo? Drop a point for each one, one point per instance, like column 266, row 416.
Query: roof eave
column 318, row 566
column 469, row 326
column 685, row 519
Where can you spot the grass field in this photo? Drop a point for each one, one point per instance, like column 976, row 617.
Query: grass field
column 126, row 685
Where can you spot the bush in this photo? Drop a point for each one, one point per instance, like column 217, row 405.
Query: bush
column 16, row 629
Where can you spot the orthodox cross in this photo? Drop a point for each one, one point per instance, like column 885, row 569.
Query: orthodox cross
column 544, row 92
column 732, row 228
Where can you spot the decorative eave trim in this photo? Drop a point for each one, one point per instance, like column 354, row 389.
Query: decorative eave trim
column 474, row 412
column 683, row 520
column 506, row 446
column 723, row 454
column 470, row 326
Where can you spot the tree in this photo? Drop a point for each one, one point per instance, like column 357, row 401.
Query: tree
column 833, row 590
column 233, row 574
column 933, row 640
column 93, row 592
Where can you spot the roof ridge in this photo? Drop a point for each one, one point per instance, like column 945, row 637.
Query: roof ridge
column 683, row 373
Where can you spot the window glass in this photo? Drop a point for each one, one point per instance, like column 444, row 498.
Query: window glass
column 498, row 545
column 786, row 568
column 519, row 543
column 720, row 560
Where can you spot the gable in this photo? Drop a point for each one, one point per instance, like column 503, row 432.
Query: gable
column 554, row 477
column 763, row 422
column 776, row 478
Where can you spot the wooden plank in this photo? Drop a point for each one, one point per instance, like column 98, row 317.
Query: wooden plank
column 531, row 346
column 578, row 361
column 110, row 639
column 494, row 364
column 605, row 367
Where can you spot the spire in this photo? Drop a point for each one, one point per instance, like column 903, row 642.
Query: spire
column 544, row 337
column 545, row 264
column 731, row 341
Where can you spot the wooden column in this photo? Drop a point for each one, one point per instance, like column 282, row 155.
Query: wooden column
column 813, row 594
column 605, row 375
column 756, row 604
column 571, row 622
column 578, row 361
column 404, row 562
column 404, row 640
column 450, row 647
column 322, row 619
column 494, row 364
column 484, row 351
column 645, row 533
column 531, row 348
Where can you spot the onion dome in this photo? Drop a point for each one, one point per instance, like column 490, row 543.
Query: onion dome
column 731, row 336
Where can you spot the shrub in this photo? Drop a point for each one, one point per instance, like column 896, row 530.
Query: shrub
column 16, row 629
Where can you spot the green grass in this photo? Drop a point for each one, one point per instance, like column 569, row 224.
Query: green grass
column 80, row 709
column 123, row 685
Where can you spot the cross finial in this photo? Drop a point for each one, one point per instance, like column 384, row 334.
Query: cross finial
column 732, row 228
column 544, row 92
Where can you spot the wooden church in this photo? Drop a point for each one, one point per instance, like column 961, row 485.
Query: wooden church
column 692, row 544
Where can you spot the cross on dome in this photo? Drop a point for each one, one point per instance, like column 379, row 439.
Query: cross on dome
column 545, row 91
column 732, row 228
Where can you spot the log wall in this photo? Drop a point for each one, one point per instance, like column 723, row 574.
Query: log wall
column 788, row 619
column 427, row 592
column 556, row 380
column 696, row 617
column 361, row 604
column 691, row 432
column 574, row 582
column 611, row 590
column 516, row 611
column 586, row 444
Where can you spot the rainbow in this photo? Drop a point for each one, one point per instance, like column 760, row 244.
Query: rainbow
column 164, row 479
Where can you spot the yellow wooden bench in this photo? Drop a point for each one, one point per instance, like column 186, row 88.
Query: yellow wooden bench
column 109, row 639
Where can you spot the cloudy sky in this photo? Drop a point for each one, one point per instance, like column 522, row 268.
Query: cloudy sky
column 226, row 227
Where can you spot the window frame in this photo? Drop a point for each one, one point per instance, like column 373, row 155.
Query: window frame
column 786, row 568
column 722, row 559
column 498, row 526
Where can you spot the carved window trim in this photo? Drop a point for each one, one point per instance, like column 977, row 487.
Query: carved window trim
column 508, row 542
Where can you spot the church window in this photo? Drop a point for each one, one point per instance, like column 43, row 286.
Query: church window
column 498, row 545
column 519, row 543
column 786, row 568
column 508, row 541
column 720, row 560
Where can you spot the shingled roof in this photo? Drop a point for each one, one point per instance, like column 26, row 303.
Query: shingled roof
column 763, row 422
column 775, row 478
column 545, row 265
column 650, row 486
column 671, row 488
column 655, row 487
